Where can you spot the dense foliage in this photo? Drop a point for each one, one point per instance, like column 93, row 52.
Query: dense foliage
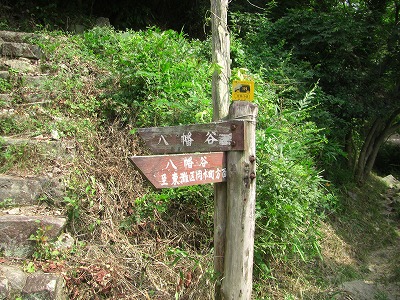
column 155, row 78
column 326, row 74
column 292, row 194
column 352, row 51
column 164, row 79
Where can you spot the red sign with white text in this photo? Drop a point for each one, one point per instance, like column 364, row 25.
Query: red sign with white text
column 171, row 171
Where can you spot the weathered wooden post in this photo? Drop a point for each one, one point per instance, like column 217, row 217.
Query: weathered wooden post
column 241, row 194
column 221, row 59
column 220, row 96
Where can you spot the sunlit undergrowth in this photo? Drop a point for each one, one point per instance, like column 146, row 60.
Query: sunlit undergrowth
column 105, row 84
column 160, row 77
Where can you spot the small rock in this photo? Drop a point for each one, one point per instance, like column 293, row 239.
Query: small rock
column 55, row 135
column 352, row 195
column 102, row 22
column 65, row 241
column 39, row 137
column 57, row 170
column 360, row 289
column 391, row 181
column 371, row 269
column 14, row 211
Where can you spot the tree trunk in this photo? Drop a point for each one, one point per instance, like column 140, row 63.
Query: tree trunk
column 379, row 132
column 221, row 59
column 349, row 149
column 366, row 149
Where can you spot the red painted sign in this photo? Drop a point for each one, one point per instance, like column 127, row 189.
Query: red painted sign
column 171, row 171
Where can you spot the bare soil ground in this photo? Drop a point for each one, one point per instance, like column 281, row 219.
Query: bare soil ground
column 381, row 268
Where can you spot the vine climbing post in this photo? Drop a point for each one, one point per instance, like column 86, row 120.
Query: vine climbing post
column 220, row 97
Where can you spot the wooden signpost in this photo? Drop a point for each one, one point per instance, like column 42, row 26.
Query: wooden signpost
column 230, row 158
column 231, row 165
column 241, row 200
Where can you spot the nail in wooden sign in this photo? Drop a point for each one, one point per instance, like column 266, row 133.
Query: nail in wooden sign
column 210, row 137
column 171, row 171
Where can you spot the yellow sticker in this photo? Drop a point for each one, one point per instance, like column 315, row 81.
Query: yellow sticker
column 243, row 90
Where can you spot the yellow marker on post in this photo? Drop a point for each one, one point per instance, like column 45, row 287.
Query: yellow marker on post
column 243, row 90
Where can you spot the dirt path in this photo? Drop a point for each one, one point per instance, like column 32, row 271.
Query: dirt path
column 382, row 281
column 382, row 277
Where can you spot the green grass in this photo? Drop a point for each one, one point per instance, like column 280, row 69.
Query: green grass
column 104, row 84
column 361, row 221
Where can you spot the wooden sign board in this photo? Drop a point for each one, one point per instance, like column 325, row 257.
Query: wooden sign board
column 171, row 171
column 243, row 90
column 210, row 137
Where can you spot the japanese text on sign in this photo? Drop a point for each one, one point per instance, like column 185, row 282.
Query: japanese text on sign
column 193, row 171
column 212, row 137
column 165, row 171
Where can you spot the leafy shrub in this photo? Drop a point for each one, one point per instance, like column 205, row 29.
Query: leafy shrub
column 291, row 192
column 163, row 79
column 191, row 198
column 292, row 195
column 5, row 86
column 290, row 189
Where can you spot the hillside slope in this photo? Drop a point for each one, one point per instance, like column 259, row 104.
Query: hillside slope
column 67, row 130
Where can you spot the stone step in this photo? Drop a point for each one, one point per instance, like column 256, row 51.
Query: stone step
column 13, row 50
column 28, row 80
column 15, row 231
column 22, row 65
column 22, row 213
column 5, row 100
column 17, row 37
column 32, row 210
column 17, row 44
column 15, row 190
column 15, row 283
column 33, row 89
column 50, row 146
column 4, row 75
column 34, row 81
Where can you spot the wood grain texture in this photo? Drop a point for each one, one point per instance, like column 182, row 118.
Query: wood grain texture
column 177, row 170
column 241, row 197
column 211, row 137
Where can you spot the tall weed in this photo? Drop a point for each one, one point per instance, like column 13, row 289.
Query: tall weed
column 292, row 194
column 155, row 78
column 162, row 77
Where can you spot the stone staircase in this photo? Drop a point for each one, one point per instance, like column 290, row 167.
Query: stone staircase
column 27, row 195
